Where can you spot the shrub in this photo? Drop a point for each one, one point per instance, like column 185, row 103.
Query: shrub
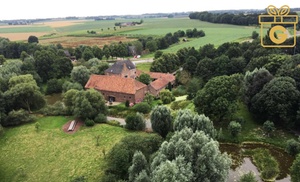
column 135, row 122
column 234, row 128
column 166, row 96
column 100, row 118
column 248, row 177
column 142, row 107
column 57, row 109
column 180, row 104
column 179, row 91
column 54, row 86
column 293, row 147
column 89, row 122
column 17, row 117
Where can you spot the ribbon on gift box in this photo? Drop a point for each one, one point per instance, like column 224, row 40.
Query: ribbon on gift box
column 282, row 11
column 280, row 15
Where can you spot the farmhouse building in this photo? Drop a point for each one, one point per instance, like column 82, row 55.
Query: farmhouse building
column 118, row 89
column 124, row 69
column 160, row 82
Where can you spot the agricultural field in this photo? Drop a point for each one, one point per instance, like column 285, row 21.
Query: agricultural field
column 49, row 153
column 74, row 33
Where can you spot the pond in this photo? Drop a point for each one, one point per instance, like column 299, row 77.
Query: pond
column 51, row 99
column 243, row 164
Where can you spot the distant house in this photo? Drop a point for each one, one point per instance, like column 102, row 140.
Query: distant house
column 160, row 82
column 118, row 89
column 125, row 69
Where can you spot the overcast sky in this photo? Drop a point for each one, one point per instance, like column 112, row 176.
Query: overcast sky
column 31, row 9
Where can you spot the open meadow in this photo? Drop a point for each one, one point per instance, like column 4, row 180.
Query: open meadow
column 49, row 154
column 75, row 32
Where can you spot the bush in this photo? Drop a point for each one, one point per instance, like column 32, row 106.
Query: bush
column 18, row 117
column 179, row 91
column 135, row 122
column 166, row 96
column 234, row 128
column 293, row 147
column 100, row 118
column 54, row 86
column 142, row 107
column 57, row 109
column 69, row 85
column 248, row 177
column 89, row 122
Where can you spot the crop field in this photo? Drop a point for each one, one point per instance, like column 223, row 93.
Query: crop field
column 51, row 154
column 74, row 32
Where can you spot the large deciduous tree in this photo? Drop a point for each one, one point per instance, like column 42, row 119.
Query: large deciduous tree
column 43, row 62
column 190, row 156
column 24, row 93
column 80, row 74
column 295, row 175
column 277, row 101
column 161, row 120
column 218, row 98
column 139, row 165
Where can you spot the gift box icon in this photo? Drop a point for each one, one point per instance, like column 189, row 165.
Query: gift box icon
column 278, row 20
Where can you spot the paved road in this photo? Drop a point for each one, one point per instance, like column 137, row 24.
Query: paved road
column 122, row 121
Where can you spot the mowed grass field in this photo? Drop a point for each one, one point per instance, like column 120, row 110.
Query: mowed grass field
column 74, row 32
column 52, row 155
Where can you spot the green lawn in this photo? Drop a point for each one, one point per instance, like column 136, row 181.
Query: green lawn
column 52, row 155
column 26, row 29
column 144, row 66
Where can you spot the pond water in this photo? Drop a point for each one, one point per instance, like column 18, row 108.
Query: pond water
column 51, row 99
column 243, row 164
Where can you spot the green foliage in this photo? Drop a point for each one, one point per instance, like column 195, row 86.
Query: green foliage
column 100, row 118
column 120, row 156
column 80, row 74
column 218, row 98
column 1, row 130
column 144, row 78
column 149, row 98
column 277, row 101
column 44, row 64
column 142, row 107
column 37, row 126
column 79, row 179
column 176, row 105
column 185, row 118
column 266, row 164
column 17, row 117
column 295, row 175
column 179, row 91
column 268, row 127
column 161, row 120
column 234, row 128
column 57, row 109
column 166, row 96
column 2, row 59
column 248, row 177
column 190, row 156
column 33, row 39
column 254, row 35
column 157, row 54
column 70, row 85
column 85, row 104
column 87, row 54
column 139, row 165
column 293, row 147
column 114, row 123
column 135, row 122
column 54, row 86
column 24, row 93
column 166, row 63
column 89, row 122
column 193, row 86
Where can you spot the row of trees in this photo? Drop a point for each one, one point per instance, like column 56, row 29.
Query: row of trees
column 228, row 18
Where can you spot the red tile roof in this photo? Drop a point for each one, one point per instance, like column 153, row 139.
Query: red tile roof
column 167, row 76
column 159, row 83
column 114, row 84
